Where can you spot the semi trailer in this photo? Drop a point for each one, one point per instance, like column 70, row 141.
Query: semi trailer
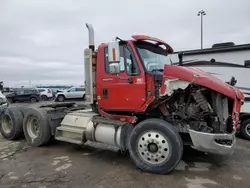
column 139, row 102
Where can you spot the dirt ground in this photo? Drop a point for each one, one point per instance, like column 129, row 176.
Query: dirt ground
column 64, row 165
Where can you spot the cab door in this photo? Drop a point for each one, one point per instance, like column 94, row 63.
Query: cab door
column 125, row 91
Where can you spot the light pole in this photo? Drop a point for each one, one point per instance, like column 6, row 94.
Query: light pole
column 201, row 13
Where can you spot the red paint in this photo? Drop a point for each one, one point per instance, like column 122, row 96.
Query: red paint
column 140, row 95
column 201, row 78
column 130, row 119
column 158, row 41
column 122, row 95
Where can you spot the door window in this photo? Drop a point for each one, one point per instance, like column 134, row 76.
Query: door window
column 131, row 65
column 72, row 90
column 80, row 89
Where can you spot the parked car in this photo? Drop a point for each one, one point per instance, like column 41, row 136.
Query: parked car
column 3, row 101
column 72, row 93
column 45, row 93
column 24, row 94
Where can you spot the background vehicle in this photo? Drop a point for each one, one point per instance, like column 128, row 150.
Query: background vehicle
column 69, row 94
column 45, row 93
column 3, row 102
column 228, row 62
column 150, row 112
column 24, row 94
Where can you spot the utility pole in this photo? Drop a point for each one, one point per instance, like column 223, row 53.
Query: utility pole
column 201, row 13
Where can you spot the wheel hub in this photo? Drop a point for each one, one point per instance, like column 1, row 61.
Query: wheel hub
column 247, row 129
column 6, row 124
column 153, row 147
column 33, row 127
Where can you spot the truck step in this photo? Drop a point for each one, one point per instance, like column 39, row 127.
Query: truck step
column 70, row 134
column 63, row 139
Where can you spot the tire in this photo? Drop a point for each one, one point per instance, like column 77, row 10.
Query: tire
column 166, row 140
column 23, row 110
column 11, row 123
column 10, row 100
column 245, row 129
column 33, row 100
column 44, row 98
column 61, row 98
column 36, row 135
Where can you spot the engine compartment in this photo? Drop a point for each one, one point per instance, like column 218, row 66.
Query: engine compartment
column 200, row 109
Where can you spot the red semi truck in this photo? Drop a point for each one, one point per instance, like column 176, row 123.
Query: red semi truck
column 140, row 103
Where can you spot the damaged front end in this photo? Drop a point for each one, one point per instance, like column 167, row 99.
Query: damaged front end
column 208, row 117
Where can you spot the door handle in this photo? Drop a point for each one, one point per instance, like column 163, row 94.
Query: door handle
column 130, row 80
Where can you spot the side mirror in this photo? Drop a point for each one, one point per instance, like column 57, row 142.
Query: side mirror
column 113, row 52
column 114, row 68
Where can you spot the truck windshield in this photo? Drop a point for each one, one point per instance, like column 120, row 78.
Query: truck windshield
column 153, row 57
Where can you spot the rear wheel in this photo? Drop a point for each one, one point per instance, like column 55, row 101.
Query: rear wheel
column 11, row 122
column 61, row 98
column 36, row 127
column 155, row 146
column 245, row 129
column 10, row 100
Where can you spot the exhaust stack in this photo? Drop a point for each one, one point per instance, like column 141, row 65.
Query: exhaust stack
column 91, row 37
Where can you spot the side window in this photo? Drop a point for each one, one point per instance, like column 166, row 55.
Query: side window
column 131, row 65
column 41, row 90
column 20, row 92
column 80, row 89
column 122, row 61
column 28, row 92
column 72, row 90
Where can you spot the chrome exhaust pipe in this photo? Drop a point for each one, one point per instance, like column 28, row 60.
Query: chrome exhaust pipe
column 91, row 37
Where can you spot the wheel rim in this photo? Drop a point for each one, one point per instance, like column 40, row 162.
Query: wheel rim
column 247, row 129
column 153, row 147
column 33, row 127
column 60, row 98
column 33, row 100
column 6, row 124
column 44, row 98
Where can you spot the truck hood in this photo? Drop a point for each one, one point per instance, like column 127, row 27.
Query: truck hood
column 202, row 78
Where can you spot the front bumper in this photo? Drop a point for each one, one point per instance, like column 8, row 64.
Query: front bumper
column 221, row 144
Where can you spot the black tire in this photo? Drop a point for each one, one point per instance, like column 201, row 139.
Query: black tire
column 44, row 135
column 61, row 98
column 243, row 129
column 33, row 100
column 23, row 110
column 10, row 100
column 172, row 138
column 44, row 98
column 13, row 116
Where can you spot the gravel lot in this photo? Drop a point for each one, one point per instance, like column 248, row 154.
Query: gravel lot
column 65, row 165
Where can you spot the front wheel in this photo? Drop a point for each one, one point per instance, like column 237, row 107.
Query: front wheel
column 155, row 146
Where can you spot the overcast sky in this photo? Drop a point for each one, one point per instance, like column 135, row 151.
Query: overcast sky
column 43, row 40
